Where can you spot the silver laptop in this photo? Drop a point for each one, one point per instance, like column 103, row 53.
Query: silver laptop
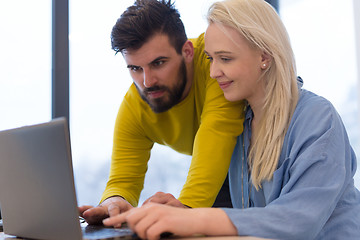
column 37, row 192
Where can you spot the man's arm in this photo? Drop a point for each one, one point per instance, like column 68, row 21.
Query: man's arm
column 131, row 152
column 221, row 123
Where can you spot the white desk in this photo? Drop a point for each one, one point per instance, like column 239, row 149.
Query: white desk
column 7, row 237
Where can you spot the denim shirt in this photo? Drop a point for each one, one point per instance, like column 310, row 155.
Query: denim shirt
column 312, row 193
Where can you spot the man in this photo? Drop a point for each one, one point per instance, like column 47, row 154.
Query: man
column 174, row 102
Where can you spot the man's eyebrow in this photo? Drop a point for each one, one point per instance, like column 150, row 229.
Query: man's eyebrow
column 153, row 61
column 132, row 66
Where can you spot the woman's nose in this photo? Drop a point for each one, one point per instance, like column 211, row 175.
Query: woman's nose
column 215, row 71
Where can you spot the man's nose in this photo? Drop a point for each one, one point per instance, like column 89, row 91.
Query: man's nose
column 149, row 78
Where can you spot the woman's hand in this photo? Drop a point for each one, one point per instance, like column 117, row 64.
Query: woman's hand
column 152, row 219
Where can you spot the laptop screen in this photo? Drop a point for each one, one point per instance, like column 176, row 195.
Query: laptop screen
column 37, row 193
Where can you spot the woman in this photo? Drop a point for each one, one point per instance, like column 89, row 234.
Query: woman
column 291, row 174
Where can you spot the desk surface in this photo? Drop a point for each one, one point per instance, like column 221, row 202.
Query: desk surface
column 7, row 237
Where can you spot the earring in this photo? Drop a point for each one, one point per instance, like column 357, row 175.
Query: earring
column 264, row 65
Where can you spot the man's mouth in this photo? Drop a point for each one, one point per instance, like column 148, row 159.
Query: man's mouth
column 155, row 93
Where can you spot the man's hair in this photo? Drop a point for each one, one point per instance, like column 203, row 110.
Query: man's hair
column 143, row 20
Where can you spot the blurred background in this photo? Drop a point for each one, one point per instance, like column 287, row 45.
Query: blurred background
column 323, row 34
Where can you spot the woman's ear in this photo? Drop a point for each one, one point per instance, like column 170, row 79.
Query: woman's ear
column 188, row 51
column 265, row 60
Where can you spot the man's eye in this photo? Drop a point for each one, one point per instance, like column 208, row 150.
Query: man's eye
column 158, row 63
column 134, row 68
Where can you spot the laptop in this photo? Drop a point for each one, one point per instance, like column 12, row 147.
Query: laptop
column 37, row 191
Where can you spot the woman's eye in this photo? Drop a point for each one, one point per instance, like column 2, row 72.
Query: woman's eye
column 224, row 59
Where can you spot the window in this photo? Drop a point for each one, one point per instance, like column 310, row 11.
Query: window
column 25, row 63
column 322, row 34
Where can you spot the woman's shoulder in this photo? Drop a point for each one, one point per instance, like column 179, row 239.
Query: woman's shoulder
column 315, row 124
column 312, row 105
column 309, row 97
column 314, row 116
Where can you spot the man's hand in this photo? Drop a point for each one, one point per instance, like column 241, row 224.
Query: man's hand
column 164, row 198
column 108, row 208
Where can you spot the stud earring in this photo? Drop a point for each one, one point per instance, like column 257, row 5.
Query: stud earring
column 264, row 65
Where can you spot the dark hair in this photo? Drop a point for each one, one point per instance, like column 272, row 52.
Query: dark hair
column 144, row 19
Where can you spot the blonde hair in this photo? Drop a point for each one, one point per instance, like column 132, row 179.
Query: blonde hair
column 259, row 23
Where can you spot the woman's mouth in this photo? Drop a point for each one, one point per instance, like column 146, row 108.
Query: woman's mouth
column 224, row 85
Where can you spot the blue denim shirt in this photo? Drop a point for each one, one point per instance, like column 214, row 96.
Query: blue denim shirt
column 312, row 193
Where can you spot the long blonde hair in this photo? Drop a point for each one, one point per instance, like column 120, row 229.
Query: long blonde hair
column 259, row 23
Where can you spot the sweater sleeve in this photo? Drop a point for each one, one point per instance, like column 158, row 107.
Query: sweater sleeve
column 131, row 152
column 315, row 174
column 221, row 123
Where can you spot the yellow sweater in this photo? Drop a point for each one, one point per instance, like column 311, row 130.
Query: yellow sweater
column 204, row 125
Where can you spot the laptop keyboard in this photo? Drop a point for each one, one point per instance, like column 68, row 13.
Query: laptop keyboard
column 101, row 232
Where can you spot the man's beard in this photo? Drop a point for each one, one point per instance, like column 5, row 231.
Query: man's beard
column 174, row 95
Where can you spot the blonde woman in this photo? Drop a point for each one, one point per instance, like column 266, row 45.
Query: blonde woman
column 291, row 173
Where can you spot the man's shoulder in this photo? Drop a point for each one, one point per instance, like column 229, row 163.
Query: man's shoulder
column 132, row 92
column 133, row 99
column 200, row 61
column 199, row 41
